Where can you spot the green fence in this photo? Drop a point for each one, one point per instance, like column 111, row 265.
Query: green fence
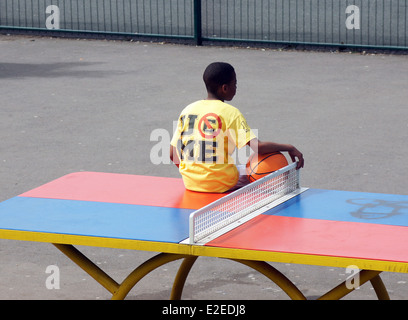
column 123, row 17
column 353, row 23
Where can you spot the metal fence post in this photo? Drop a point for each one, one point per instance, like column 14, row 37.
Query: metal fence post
column 197, row 23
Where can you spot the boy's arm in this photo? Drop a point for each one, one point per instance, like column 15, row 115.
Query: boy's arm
column 173, row 156
column 268, row 147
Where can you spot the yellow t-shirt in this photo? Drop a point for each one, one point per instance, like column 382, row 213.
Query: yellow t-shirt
column 207, row 133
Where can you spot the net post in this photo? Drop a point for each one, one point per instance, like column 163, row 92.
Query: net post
column 191, row 228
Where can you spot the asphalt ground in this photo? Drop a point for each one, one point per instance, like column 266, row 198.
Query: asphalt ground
column 87, row 105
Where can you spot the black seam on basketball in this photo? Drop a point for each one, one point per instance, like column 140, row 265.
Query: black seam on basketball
column 263, row 173
column 254, row 174
column 270, row 155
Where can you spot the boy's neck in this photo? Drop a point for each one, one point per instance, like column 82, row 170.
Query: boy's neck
column 213, row 97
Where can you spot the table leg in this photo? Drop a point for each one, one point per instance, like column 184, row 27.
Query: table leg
column 88, row 266
column 283, row 282
column 364, row 275
column 266, row 269
column 136, row 275
column 181, row 277
column 380, row 288
column 119, row 291
column 276, row 276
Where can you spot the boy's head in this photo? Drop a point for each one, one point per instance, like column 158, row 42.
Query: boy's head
column 220, row 80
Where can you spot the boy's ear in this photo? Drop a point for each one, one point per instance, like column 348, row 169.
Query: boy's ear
column 224, row 88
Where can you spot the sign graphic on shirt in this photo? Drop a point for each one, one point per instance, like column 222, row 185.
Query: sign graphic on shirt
column 209, row 126
column 209, row 138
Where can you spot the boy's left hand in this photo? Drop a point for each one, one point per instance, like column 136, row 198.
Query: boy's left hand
column 296, row 154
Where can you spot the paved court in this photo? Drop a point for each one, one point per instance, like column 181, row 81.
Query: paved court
column 73, row 105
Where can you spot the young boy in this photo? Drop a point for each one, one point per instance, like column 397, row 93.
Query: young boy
column 208, row 131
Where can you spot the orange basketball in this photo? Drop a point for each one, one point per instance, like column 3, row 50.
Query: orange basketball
column 260, row 165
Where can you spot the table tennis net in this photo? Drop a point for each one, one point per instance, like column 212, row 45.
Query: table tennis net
column 243, row 202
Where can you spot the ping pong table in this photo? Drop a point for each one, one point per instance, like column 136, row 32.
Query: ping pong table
column 315, row 227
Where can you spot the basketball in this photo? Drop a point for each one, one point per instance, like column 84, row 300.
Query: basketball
column 260, row 165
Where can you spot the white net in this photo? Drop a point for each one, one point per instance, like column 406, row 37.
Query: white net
column 243, row 202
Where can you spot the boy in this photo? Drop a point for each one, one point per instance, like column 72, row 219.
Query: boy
column 209, row 130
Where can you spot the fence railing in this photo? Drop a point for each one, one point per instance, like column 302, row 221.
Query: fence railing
column 361, row 23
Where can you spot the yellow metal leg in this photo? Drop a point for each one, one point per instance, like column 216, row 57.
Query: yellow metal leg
column 118, row 291
column 181, row 277
column 87, row 265
column 364, row 275
column 121, row 291
column 142, row 271
column 267, row 270
column 277, row 277
column 380, row 288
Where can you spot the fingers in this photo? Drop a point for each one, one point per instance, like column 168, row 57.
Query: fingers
column 299, row 156
column 300, row 163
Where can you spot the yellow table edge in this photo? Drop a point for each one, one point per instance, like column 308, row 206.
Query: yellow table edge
column 195, row 250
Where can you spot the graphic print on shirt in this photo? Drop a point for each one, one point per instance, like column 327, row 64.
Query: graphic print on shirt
column 198, row 139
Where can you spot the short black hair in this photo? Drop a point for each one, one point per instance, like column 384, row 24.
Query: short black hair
column 218, row 74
